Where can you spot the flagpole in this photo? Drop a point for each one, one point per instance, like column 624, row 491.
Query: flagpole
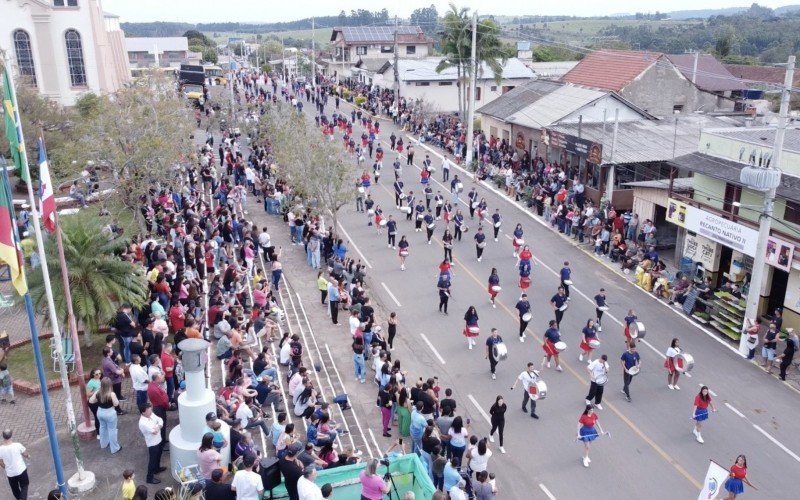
column 82, row 478
column 37, row 352
column 86, row 430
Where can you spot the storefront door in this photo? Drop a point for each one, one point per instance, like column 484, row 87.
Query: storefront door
column 777, row 291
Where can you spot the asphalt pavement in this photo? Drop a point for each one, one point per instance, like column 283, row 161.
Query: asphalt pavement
column 651, row 449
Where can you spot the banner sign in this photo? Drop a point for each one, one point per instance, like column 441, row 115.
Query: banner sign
column 592, row 151
column 703, row 250
column 731, row 234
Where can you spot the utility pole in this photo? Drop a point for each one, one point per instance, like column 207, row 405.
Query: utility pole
column 694, row 66
column 283, row 60
column 765, row 179
column 313, row 57
column 396, row 69
column 611, row 166
column 471, row 101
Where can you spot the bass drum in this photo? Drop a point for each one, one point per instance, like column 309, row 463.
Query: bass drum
column 637, row 330
column 499, row 352
column 594, row 343
column 684, row 362
column 527, row 317
column 538, row 390
column 561, row 346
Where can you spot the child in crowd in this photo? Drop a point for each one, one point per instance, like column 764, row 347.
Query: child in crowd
column 6, row 384
column 219, row 441
column 128, row 486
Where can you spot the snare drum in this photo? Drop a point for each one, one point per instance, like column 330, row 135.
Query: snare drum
column 420, row 216
column 474, row 330
column 482, row 244
column 496, row 288
column 405, row 209
column 568, row 282
column 561, row 346
column 371, row 211
column 594, row 344
column 498, row 223
column 403, row 253
column 637, row 330
column 633, row 371
column 383, row 222
column 431, row 169
column 519, row 242
column 431, row 225
column 499, row 351
column 564, row 307
column 475, row 204
column 538, row 390
column 684, row 362
column 603, row 308
column 361, row 189
column 526, row 317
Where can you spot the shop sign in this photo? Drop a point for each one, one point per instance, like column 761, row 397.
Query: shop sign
column 702, row 250
column 731, row 234
column 592, row 151
column 779, row 253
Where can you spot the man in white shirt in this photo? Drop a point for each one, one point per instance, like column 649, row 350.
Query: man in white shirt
column 150, row 426
column 457, row 492
column 12, row 460
column 139, row 379
column 355, row 322
column 598, row 374
column 306, row 489
column 246, row 483
column 264, row 242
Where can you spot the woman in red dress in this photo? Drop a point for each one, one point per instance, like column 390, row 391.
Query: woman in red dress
column 700, row 411
column 588, row 430
column 471, row 326
column 738, row 476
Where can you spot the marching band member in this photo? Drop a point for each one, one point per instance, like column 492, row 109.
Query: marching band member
column 700, row 411
column 428, row 196
column 669, row 364
column 376, row 169
column 524, row 307
column 458, row 220
column 600, row 301
column 391, row 230
column 472, row 202
column 588, row 430
column 429, row 225
column 480, row 242
column 494, row 280
column 398, row 168
column 497, row 221
column 551, row 336
column 524, row 274
column 493, row 339
column 566, row 274
column 378, row 218
column 369, row 203
column 598, row 376
column 398, row 192
column 410, row 198
column 424, row 176
column 403, row 252
column 558, row 301
column 528, row 378
column 455, row 187
column 471, row 321
column 628, row 360
column 629, row 319
column 738, row 476
column 589, row 334
column 438, row 200
column 481, row 210
column 447, row 243
column 419, row 215
column 365, row 180
column 444, row 291
column 517, row 238
column 448, row 212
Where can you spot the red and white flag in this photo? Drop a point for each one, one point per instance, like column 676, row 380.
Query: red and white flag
column 48, row 200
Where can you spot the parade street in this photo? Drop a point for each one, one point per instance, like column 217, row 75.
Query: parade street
column 651, row 449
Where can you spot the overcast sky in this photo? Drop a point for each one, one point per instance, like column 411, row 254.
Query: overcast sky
column 258, row 11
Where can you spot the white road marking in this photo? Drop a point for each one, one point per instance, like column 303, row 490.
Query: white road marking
column 734, row 410
column 375, row 442
column 352, row 242
column 777, row 443
column 546, row 491
column 391, row 294
column 480, row 410
column 710, row 391
column 435, row 352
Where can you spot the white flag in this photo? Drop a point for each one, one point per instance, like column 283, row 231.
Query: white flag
column 714, row 482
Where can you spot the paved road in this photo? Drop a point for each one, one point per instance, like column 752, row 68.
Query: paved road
column 651, row 437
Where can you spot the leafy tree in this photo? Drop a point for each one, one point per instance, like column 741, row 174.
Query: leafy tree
column 426, row 18
column 210, row 55
column 98, row 279
column 141, row 136
column 198, row 38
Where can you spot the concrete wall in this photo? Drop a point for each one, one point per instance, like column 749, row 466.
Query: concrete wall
column 593, row 113
column 661, row 87
column 375, row 52
column 443, row 95
column 730, row 148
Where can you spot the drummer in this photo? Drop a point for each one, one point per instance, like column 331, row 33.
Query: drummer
column 429, row 225
column 419, row 216
column 517, row 237
column 444, row 291
column 629, row 359
column 497, row 221
column 566, row 275
column 472, row 198
column 589, row 334
column 438, row 200
column 528, row 378
column 669, row 364
column 551, row 337
column 629, row 320
column 558, row 301
column 491, row 341
column 480, row 243
column 470, row 324
column 524, row 308
column 398, row 192
column 410, row 204
column 494, row 281
column 598, row 375
column 599, row 305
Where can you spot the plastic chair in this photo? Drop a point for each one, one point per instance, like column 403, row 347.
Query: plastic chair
column 69, row 354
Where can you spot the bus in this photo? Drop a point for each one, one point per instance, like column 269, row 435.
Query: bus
column 216, row 75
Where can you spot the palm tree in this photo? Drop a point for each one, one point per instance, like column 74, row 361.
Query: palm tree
column 99, row 280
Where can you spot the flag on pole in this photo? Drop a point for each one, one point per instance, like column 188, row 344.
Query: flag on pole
column 714, row 482
column 10, row 252
column 13, row 125
column 48, row 199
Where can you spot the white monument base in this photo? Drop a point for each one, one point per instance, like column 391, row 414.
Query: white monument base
column 81, row 483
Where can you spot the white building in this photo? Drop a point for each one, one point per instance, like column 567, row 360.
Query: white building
column 65, row 48
column 172, row 52
column 419, row 80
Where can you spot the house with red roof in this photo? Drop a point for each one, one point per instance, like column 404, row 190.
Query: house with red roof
column 656, row 82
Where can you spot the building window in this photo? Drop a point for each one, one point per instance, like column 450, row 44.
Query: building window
column 387, row 49
column 77, row 69
column 677, row 108
column 477, row 93
column 411, row 49
column 442, row 84
column 493, row 88
column 423, row 84
column 22, row 48
column 65, row 3
column 361, row 50
column 792, row 212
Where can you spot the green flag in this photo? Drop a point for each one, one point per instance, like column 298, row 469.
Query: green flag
column 13, row 126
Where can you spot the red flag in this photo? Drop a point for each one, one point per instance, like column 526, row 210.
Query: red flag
column 48, row 207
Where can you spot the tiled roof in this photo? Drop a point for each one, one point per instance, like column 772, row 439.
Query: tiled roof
column 610, row 69
column 711, row 75
column 768, row 74
column 518, row 98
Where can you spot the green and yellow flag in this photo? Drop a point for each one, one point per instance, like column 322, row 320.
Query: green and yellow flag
column 13, row 126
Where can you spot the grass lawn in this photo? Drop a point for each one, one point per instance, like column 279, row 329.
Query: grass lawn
column 22, row 366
